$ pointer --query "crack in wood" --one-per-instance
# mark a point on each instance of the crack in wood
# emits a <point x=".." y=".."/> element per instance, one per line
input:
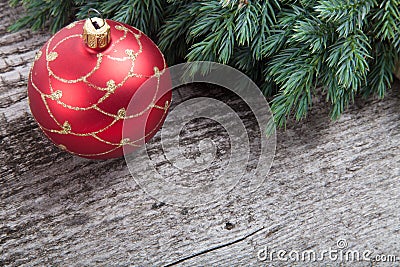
<point x="272" y="231"/>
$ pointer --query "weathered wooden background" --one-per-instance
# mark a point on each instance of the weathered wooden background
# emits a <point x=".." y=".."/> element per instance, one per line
<point x="329" y="181"/>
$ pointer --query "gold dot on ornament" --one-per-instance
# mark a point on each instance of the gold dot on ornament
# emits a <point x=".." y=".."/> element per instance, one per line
<point x="130" y="53"/>
<point x="111" y="86"/>
<point x="52" y="56"/>
<point x="125" y="141"/>
<point x="38" y="55"/>
<point x="56" y="95"/>
<point x="121" y="113"/>
<point x="157" y="72"/>
<point x="120" y="28"/>
<point x="66" y="127"/>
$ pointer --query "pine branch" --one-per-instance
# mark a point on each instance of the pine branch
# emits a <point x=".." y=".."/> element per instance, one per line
<point x="287" y="47"/>
<point x="42" y="12"/>
<point x="348" y="57"/>
<point x="380" y="77"/>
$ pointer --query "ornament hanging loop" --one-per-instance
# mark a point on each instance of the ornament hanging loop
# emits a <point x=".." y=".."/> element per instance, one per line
<point x="94" y="23"/>
<point x="96" y="31"/>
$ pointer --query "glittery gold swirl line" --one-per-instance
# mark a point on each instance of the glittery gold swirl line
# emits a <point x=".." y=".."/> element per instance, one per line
<point x="159" y="107"/>
<point x="110" y="143"/>
<point x="66" y="38"/>
<point x="109" y="91"/>
<point x="63" y="147"/>
<point x="43" y="97"/>
<point x="118" y="145"/>
<point x="137" y="37"/>
<point x="104" y="97"/>
<point x="80" y="79"/>
<point x="96" y="154"/>
<point x="151" y="103"/>
<point x="99" y="58"/>
<point x="63" y="131"/>
<point x="37" y="56"/>
<point x="121" y="28"/>
<point x="167" y="105"/>
<point x="118" y="85"/>
<point x="131" y="56"/>
<point x="105" y="141"/>
<point x="116" y="117"/>
<point x="138" y="75"/>
<point x="162" y="55"/>
<point x="105" y="112"/>
<point x="99" y="55"/>
<point x="49" y="111"/>
<point x="99" y="101"/>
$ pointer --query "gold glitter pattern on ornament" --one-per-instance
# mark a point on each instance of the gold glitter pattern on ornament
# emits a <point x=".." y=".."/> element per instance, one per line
<point x="157" y="72"/>
<point x="66" y="127"/>
<point x="111" y="86"/>
<point x="164" y="107"/>
<point x="130" y="54"/>
<point x="125" y="141"/>
<point x="121" y="113"/>
<point x="52" y="56"/>
<point x="38" y="55"/>
<point x="121" y="28"/>
<point x="56" y="95"/>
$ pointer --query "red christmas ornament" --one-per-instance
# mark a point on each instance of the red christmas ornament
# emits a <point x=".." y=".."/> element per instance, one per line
<point x="80" y="86"/>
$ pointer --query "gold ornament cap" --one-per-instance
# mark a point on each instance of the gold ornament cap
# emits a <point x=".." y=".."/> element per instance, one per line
<point x="96" y="32"/>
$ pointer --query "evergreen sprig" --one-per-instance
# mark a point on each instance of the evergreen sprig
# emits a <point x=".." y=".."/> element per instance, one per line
<point x="41" y="13"/>
<point x="289" y="47"/>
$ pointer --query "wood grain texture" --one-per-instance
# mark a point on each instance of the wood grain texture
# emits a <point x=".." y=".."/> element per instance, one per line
<point x="329" y="181"/>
